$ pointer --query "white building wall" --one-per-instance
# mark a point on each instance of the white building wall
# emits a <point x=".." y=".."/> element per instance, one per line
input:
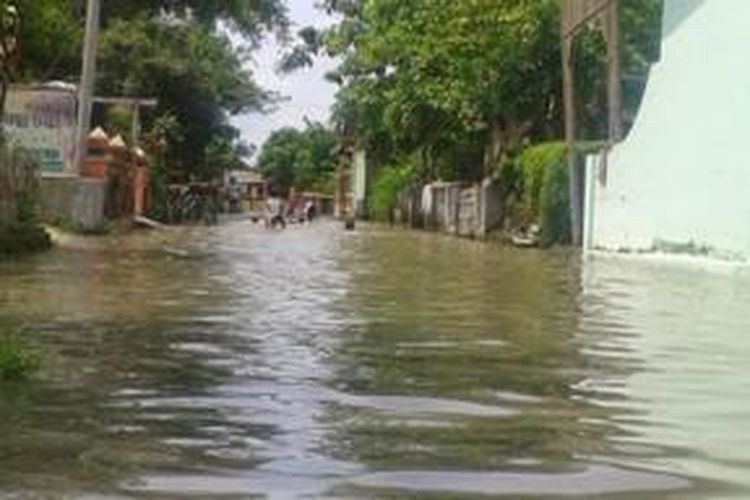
<point x="682" y="176"/>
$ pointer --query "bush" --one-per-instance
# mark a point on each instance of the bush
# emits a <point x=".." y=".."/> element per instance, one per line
<point x="389" y="181"/>
<point x="21" y="232"/>
<point x="541" y="189"/>
<point x="554" y="202"/>
<point x="532" y="165"/>
<point x="18" y="361"/>
<point x="23" y="237"/>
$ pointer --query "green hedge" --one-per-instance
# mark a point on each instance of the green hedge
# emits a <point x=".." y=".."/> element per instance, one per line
<point x="388" y="181"/>
<point x="542" y="185"/>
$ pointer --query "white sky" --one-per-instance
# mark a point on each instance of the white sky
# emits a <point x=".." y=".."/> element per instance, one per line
<point x="308" y="93"/>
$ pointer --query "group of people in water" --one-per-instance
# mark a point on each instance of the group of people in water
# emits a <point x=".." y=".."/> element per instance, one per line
<point x="278" y="212"/>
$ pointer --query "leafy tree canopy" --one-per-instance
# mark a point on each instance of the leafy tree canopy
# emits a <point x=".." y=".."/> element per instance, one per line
<point x="304" y="159"/>
<point x="50" y="36"/>
<point x="178" y="51"/>
<point x="463" y="80"/>
<point x="250" y="18"/>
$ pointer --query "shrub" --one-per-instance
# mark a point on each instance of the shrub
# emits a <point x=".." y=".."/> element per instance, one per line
<point x="541" y="190"/>
<point x="23" y="237"/>
<point x="21" y="232"/>
<point x="554" y="202"/>
<point x="18" y="360"/>
<point x="388" y="182"/>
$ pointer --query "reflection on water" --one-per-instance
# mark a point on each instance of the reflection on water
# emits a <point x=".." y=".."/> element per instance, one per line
<point x="235" y="362"/>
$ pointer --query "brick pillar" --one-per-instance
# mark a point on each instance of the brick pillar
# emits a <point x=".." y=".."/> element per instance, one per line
<point x="95" y="162"/>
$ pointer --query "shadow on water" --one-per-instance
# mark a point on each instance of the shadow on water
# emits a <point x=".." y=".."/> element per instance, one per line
<point x="234" y="362"/>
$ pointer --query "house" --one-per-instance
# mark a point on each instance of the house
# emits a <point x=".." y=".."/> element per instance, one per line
<point x="679" y="181"/>
<point x="253" y="187"/>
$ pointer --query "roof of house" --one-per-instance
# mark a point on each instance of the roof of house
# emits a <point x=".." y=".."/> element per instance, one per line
<point x="251" y="176"/>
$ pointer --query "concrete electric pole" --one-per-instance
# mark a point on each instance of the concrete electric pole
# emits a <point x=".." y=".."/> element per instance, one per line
<point x="88" y="79"/>
<point x="575" y="14"/>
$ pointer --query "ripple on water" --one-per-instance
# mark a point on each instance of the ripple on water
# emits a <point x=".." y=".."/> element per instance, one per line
<point x="588" y="480"/>
<point x="412" y="405"/>
<point x="593" y="479"/>
<point x="307" y="362"/>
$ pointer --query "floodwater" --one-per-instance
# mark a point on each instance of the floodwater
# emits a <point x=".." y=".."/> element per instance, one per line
<point x="232" y="362"/>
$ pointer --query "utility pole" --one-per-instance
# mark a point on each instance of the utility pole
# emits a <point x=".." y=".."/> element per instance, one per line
<point x="88" y="79"/>
<point x="575" y="182"/>
<point x="575" y="14"/>
<point x="614" y="84"/>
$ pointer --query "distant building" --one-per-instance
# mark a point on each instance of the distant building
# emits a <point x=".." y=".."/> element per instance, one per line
<point x="253" y="186"/>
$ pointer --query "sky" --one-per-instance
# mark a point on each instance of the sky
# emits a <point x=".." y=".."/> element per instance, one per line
<point x="308" y="94"/>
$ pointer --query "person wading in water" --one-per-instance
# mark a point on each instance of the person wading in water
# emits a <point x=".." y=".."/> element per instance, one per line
<point x="275" y="212"/>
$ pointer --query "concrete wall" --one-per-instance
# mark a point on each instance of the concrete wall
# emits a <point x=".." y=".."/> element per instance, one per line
<point x="464" y="210"/>
<point x="492" y="206"/>
<point x="680" y="180"/>
<point x="468" y="212"/>
<point x="80" y="200"/>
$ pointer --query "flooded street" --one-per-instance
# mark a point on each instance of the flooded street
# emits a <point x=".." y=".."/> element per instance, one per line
<point x="232" y="362"/>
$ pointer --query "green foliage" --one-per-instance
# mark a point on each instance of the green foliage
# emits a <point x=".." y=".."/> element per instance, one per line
<point x="119" y="120"/>
<point x="18" y="360"/>
<point x="23" y="237"/>
<point x="554" y="202"/>
<point x="197" y="76"/>
<point x="21" y="234"/>
<point x="534" y="164"/>
<point x="465" y="83"/>
<point x="50" y="39"/>
<point x="388" y="182"/>
<point x="163" y="136"/>
<point x="176" y="50"/>
<point x="435" y="76"/>
<point x="248" y="18"/>
<point x="303" y="159"/>
<point x="220" y="156"/>
<point x="541" y="190"/>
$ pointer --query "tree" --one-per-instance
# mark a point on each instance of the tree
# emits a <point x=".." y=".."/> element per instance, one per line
<point x="303" y="159"/>
<point x="461" y="82"/>
<point x="249" y="18"/>
<point x="176" y="50"/>
<point x="50" y="40"/>
<point x="195" y="74"/>
<point x="444" y="72"/>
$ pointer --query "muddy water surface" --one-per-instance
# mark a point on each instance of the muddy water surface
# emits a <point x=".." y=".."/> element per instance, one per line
<point x="232" y="362"/>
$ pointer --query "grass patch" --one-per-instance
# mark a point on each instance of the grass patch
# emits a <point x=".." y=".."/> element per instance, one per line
<point x="18" y="360"/>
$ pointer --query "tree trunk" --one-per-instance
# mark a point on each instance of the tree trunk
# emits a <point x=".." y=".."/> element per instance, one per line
<point x="494" y="147"/>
